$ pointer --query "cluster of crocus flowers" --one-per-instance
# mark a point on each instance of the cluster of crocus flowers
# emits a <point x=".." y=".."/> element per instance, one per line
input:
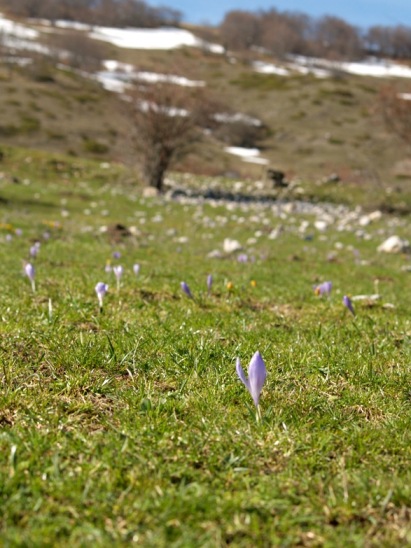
<point x="101" y="289"/>
<point x="257" y="374"/>
<point x="30" y="273"/>
<point x="186" y="289"/>
<point x="323" y="289"/>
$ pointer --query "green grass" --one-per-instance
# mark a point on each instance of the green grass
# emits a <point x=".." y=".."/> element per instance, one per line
<point x="131" y="426"/>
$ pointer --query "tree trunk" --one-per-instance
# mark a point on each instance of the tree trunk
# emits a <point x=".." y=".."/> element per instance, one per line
<point x="156" y="168"/>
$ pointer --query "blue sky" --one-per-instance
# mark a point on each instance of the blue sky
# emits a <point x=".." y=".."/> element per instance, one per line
<point x="362" y="13"/>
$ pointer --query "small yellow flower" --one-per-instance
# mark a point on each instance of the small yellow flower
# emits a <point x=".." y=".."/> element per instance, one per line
<point x="230" y="286"/>
<point x="253" y="283"/>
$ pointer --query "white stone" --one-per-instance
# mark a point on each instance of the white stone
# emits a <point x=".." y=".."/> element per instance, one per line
<point x="231" y="246"/>
<point x="320" y="225"/>
<point x="394" y="244"/>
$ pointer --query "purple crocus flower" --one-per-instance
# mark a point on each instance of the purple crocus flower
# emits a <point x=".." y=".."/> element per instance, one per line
<point x="34" y="249"/>
<point x="116" y="254"/>
<point x="242" y="258"/>
<point x="118" y="272"/>
<point x="30" y="273"/>
<point x="323" y="289"/>
<point x="136" y="269"/>
<point x="209" y="282"/>
<point x="186" y="290"/>
<point x="101" y="290"/>
<point x="347" y="303"/>
<point x="256" y="376"/>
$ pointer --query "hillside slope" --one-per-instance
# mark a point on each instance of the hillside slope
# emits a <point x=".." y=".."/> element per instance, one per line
<point x="317" y="127"/>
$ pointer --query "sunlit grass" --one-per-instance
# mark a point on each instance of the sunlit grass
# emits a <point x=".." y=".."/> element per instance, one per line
<point x="131" y="426"/>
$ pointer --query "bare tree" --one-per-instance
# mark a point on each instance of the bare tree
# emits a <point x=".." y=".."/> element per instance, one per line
<point x="99" y="12"/>
<point x="378" y="41"/>
<point x="401" y="37"/>
<point x="240" y="30"/>
<point x="164" y="118"/>
<point x="337" y="39"/>
<point x="283" y="33"/>
<point x="389" y="41"/>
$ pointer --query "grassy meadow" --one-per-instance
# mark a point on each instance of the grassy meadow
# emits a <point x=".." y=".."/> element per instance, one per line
<point x="130" y="426"/>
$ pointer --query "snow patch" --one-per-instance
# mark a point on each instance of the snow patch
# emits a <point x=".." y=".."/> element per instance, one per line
<point x="16" y="29"/>
<point x="247" y="154"/>
<point x="269" y="68"/>
<point x="160" y="38"/>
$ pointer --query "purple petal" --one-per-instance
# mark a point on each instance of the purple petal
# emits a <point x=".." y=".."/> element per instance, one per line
<point x="257" y="374"/>
<point x="241" y="374"/>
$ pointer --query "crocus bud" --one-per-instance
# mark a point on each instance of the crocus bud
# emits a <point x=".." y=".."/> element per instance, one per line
<point x="186" y="289"/>
<point x="30" y="273"/>
<point x="347" y="303"/>
<point x="101" y="289"/>
<point x="257" y="374"/>
<point x="209" y="282"/>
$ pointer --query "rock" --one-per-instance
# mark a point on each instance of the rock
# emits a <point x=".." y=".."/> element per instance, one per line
<point x="365" y="220"/>
<point x="215" y="254"/>
<point x="321" y="225"/>
<point x="230" y="246"/>
<point x="276" y="232"/>
<point x="277" y="178"/>
<point x="332" y="178"/>
<point x="373" y="297"/>
<point x="134" y="231"/>
<point x="403" y="168"/>
<point x="394" y="244"/>
<point x="117" y="232"/>
<point x="150" y="192"/>
<point x="375" y="215"/>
